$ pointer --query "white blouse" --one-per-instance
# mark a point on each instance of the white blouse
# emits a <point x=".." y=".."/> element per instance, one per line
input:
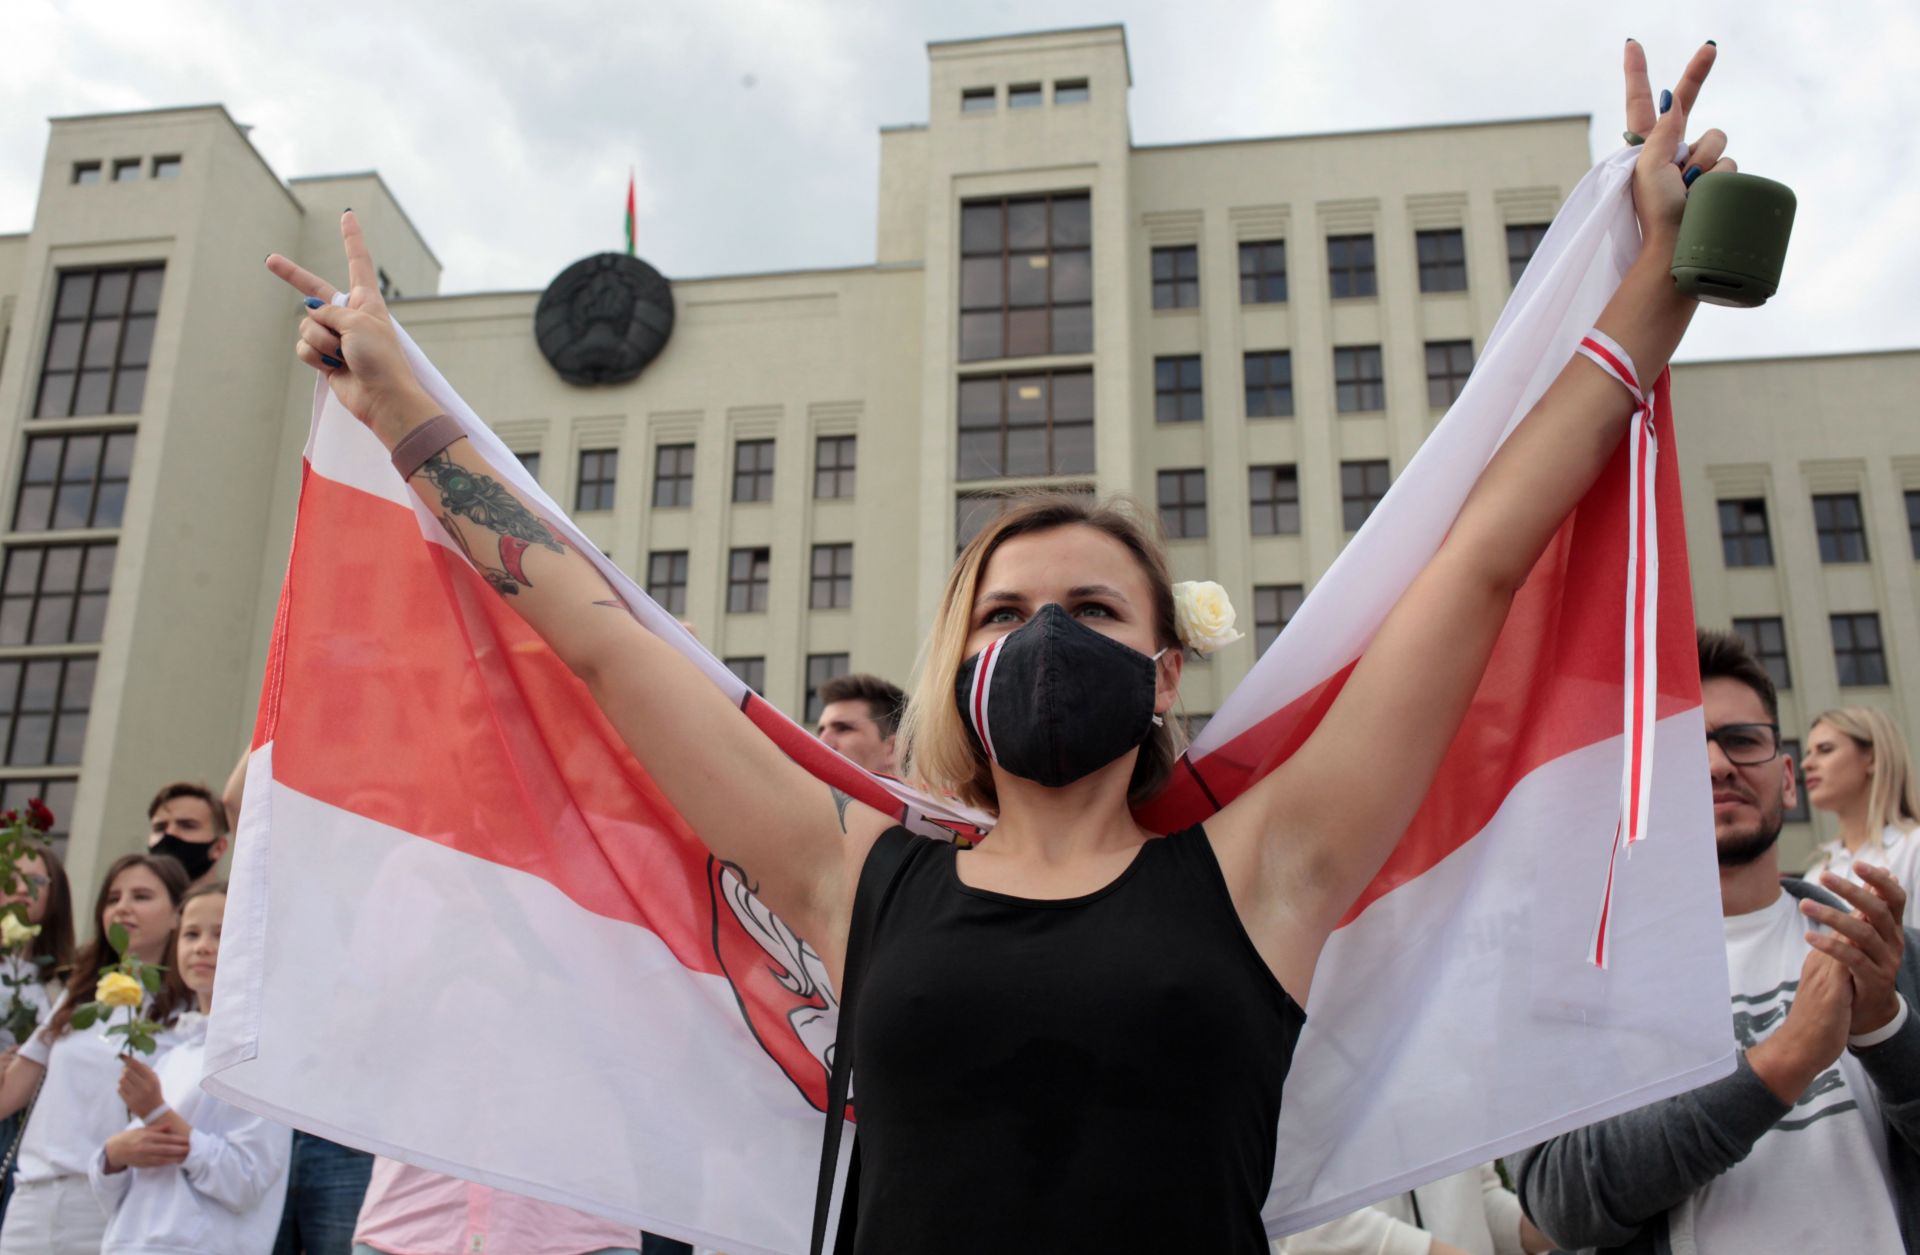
<point x="1897" y="850"/>
<point x="79" y="1106"/>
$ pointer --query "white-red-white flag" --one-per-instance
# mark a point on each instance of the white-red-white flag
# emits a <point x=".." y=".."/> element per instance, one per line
<point x="467" y="931"/>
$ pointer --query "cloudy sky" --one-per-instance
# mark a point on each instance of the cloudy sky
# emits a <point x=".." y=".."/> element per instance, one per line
<point x="507" y="129"/>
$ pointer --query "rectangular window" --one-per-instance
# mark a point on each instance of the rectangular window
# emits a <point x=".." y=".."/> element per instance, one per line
<point x="1019" y="425"/>
<point x="1443" y="260"/>
<point x="667" y="579"/>
<point x="1767" y="638"/>
<point x="1449" y="362"/>
<point x="1913" y="522"/>
<point x="1798" y="813"/>
<point x="833" y="466"/>
<point x="1176" y="277"/>
<point x="1842" y="531"/>
<point x="126" y="169"/>
<point x="1025" y="96"/>
<point x="820" y="669"/>
<point x="673" y="476"/>
<point x="86" y="173"/>
<point x="1359" y="380"/>
<point x="974" y="510"/>
<point x="1275" y="494"/>
<point x="56" y="793"/>
<point x="101" y="338"/>
<point x="1522" y="239"/>
<point x="1026" y="276"/>
<point x="1183" y="503"/>
<point x="167" y="167"/>
<point x="747" y="572"/>
<point x="1857" y="654"/>
<point x="1744" y="540"/>
<point x="74" y="481"/>
<point x="598" y="470"/>
<point x="1263" y="272"/>
<point x="55" y="594"/>
<point x="753" y="470"/>
<point x="531" y="463"/>
<point x="1362" y="484"/>
<point x="751" y="672"/>
<point x="979" y="99"/>
<point x="1269" y="377"/>
<point x="1071" y="91"/>
<point x="1177" y="390"/>
<point x="832" y="587"/>
<point x="1274" y="606"/>
<point x="43" y="709"/>
<point x="1350" y="265"/>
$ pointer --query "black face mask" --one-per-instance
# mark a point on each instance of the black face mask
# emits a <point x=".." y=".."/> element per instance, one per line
<point x="1055" y="700"/>
<point x="196" y="856"/>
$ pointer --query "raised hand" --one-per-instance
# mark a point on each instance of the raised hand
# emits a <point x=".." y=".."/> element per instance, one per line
<point x="1659" y="181"/>
<point x="355" y="345"/>
<point x="139" y="1087"/>
<point x="1814" y="1032"/>
<point x="1868" y="941"/>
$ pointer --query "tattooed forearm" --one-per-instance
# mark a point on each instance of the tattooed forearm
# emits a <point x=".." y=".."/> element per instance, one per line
<point x="840" y="801"/>
<point x="485" y="501"/>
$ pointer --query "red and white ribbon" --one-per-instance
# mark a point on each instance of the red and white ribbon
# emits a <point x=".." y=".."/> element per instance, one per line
<point x="1641" y="680"/>
<point x="977" y="696"/>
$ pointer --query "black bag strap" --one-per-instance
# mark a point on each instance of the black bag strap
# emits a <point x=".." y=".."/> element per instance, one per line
<point x="878" y="875"/>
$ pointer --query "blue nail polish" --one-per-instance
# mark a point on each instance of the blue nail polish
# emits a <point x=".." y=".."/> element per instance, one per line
<point x="314" y="302"/>
<point x="1693" y="172"/>
<point x="1666" y="100"/>
<point x="332" y="361"/>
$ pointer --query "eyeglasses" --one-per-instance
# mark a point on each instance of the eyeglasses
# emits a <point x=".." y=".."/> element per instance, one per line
<point x="1747" y="744"/>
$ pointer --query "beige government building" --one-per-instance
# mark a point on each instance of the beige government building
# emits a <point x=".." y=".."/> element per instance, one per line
<point x="1253" y="334"/>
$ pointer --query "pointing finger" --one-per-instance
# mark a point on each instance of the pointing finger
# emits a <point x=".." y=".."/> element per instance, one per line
<point x="300" y="278"/>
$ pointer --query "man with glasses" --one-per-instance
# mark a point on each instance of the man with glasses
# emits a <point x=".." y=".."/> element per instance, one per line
<point x="1813" y="1144"/>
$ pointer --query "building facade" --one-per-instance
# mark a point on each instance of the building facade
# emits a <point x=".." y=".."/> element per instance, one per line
<point x="1252" y="336"/>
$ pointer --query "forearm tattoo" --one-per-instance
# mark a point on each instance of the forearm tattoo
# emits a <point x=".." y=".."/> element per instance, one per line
<point x="840" y="801"/>
<point x="486" y="502"/>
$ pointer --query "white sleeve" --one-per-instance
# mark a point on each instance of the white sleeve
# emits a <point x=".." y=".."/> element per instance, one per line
<point x="1368" y="1231"/>
<point x="109" y="1188"/>
<point x="1503" y="1213"/>
<point x="238" y="1165"/>
<point x="37" y="1048"/>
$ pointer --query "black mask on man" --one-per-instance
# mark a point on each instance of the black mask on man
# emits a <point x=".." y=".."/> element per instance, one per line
<point x="196" y="856"/>
<point x="1054" y="700"/>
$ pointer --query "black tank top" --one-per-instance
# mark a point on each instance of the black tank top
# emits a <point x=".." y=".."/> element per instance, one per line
<point x="1097" y="1074"/>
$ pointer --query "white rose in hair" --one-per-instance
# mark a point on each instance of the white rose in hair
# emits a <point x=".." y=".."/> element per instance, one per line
<point x="1203" y="616"/>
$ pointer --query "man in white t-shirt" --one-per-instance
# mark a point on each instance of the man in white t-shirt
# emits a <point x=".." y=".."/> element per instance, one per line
<point x="1813" y="1144"/>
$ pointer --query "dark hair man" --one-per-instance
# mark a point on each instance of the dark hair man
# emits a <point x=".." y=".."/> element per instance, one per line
<point x="187" y="822"/>
<point x="1813" y="1144"/>
<point x="860" y="717"/>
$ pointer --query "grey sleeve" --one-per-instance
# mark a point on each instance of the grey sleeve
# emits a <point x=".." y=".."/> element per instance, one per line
<point x="1598" y="1185"/>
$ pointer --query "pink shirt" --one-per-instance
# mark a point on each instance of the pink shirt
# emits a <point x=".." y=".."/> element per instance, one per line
<point x="411" y="1211"/>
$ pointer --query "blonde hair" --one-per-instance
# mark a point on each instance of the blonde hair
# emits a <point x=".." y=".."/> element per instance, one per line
<point x="939" y="749"/>
<point x="1892" y="798"/>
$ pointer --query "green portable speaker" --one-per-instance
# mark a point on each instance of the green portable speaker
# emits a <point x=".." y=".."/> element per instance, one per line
<point x="1733" y="239"/>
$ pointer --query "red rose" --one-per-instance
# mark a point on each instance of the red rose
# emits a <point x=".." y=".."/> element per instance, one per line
<point x="38" y="816"/>
<point x="9" y="819"/>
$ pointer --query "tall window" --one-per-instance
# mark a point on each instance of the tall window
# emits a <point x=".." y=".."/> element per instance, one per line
<point x="1744" y="540"/>
<point x="1522" y="239"/>
<point x="43" y="709"/>
<point x="1767" y="638"/>
<point x="74" y="481"/>
<point x="1275" y="494"/>
<point x="667" y="579"/>
<point x="1443" y="260"/>
<point x="1183" y="503"/>
<point x="1350" y="265"/>
<point x="1274" y="606"/>
<point x="1362" y="484"/>
<point x="1176" y="277"/>
<point x="55" y="594"/>
<point x="833" y="458"/>
<point x="673" y="475"/>
<point x="1857" y="652"/>
<point x="599" y="468"/>
<point x="747" y="573"/>
<point x="1449" y="362"/>
<point x="1177" y="390"/>
<point x="753" y="470"/>
<point x="531" y="463"/>
<point x="1040" y="424"/>
<point x="751" y="672"/>
<point x="101" y="338"/>
<point x="1026" y="277"/>
<point x="1359" y="380"/>
<point x="820" y="669"/>
<point x="1842" y="531"/>
<point x="1263" y="272"/>
<point x="832" y="578"/>
<point x="1913" y="522"/>
<point x="1269" y="377"/>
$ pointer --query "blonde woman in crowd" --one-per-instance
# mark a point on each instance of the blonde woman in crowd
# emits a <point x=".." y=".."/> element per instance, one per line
<point x="1857" y="766"/>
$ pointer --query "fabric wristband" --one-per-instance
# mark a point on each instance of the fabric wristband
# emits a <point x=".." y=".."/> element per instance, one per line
<point x="158" y="1112"/>
<point x="1885" y="1031"/>
<point x="423" y="442"/>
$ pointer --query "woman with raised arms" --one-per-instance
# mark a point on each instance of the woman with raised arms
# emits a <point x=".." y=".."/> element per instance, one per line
<point x="1073" y="1037"/>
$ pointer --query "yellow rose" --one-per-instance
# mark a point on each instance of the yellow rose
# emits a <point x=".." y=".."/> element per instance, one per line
<point x="15" y="933"/>
<point x="117" y="989"/>
<point x="1203" y="616"/>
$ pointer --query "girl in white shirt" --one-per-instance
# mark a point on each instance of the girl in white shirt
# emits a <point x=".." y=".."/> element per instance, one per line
<point x="76" y="1071"/>
<point x="192" y="1174"/>
<point x="37" y="975"/>
<point x="1856" y="766"/>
